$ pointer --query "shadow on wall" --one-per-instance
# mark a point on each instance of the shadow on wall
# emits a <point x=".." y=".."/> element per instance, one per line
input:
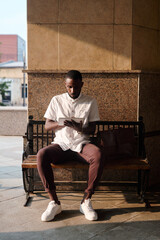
<point x="112" y="34"/>
<point x="80" y="46"/>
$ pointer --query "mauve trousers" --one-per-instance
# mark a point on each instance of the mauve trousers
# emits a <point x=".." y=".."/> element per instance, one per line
<point x="54" y="154"/>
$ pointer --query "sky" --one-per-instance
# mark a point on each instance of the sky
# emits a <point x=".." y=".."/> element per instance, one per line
<point x="13" y="17"/>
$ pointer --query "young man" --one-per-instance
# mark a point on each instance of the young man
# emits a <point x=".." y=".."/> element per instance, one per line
<point x="71" y="142"/>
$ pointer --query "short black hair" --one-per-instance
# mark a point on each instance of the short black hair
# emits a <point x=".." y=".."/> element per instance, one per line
<point x="74" y="74"/>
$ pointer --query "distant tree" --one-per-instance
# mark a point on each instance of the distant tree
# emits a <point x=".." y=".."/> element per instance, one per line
<point x="0" y="52"/>
<point x="3" y="87"/>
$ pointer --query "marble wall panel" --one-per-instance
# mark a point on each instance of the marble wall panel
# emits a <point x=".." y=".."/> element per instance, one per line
<point x="82" y="11"/>
<point x="122" y="47"/>
<point x="93" y="35"/>
<point x="149" y="102"/>
<point x="149" y="106"/>
<point x="41" y="88"/>
<point x="116" y="94"/>
<point x="159" y="16"/>
<point x="158" y="49"/>
<point x="146" y="13"/>
<point x="153" y="155"/>
<point x="85" y="47"/>
<point x="42" y="46"/>
<point x="145" y="49"/>
<point x="123" y="12"/>
<point x="40" y="11"/>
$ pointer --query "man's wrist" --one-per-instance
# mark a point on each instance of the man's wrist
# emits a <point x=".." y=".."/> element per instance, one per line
<point x="80" y="131"/>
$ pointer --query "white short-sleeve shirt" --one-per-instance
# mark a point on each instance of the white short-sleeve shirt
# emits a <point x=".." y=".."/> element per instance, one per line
<point x="63" y="106"/>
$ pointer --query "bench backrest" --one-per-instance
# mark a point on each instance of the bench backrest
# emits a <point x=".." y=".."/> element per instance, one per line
<point x="38" y="137"/>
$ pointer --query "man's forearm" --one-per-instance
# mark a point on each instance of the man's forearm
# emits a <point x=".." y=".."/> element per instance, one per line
<point x="52" y="125"/>
<point x="90" y="129"/>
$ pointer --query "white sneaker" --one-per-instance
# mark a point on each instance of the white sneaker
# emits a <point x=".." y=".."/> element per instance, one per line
<point x="52" y="210"/>
<point x="88" y="211"/>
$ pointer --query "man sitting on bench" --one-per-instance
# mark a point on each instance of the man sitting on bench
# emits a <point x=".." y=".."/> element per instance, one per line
<point x="72" y="116"/>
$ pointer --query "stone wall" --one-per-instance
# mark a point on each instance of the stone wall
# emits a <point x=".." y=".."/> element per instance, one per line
<point x="149" y="100"/>
<point x="116" y="93"/>
<point x="120" y="96"/>
<point x="93" y="35"/>
<point x="149" y="108"/>
<point x="13" y="121"/>
<point x="112" y="43"/>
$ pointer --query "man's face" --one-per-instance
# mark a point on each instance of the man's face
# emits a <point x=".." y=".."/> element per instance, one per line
<point x="73" y="87"/>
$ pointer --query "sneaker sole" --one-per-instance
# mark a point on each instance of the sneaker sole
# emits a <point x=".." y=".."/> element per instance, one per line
<point x="81" y="210"/>
<point x="58" y="212"/>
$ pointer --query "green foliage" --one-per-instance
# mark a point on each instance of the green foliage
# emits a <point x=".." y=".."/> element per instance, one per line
<point x="0" y="52"/>
<point x="3" y="87"/>
<point x="2" y="104"/>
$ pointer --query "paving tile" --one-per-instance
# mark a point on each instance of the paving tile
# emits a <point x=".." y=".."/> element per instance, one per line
<point x="149" y="222"/>
<point x="16" y="174"/>
<point x="69" y="233"/>
<point x="121" y="215"/>
<point x="14" y="214"/>
<point x="11" y="193"/>
<point x="124" y="231"/>
<point x="11" y="174"/>
<point x="10" y="183"/>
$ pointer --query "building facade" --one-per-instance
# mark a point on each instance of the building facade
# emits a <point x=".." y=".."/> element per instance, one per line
<point x="12" y="48"/>
<point x="16" y="94"/>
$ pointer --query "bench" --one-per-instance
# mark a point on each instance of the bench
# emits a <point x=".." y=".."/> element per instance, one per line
<point x="37" y="137"/>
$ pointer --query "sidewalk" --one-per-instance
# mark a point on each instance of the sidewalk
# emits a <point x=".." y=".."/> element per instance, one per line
<point x="121" y="216"/>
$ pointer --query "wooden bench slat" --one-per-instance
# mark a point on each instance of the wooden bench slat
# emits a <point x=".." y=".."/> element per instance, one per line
<point x="132" y="163"/>
<point x="33" y="164"/>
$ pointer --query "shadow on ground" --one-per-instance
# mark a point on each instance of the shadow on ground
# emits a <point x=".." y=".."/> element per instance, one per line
<point x="149" y="230"/>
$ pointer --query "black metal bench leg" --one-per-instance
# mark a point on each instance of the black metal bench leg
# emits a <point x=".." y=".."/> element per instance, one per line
<point x="28" y="198"/>
<point x="29" y="178"/>
<point x="144" y="188"/>
<point x="139" y="188"/>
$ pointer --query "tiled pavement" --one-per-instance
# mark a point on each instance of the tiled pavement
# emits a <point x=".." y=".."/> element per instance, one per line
<point x="121" y="215"/>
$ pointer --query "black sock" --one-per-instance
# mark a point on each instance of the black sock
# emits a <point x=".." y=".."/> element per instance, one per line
<point x="86" y="196"/>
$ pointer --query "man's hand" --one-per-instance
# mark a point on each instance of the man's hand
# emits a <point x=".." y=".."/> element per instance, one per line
<point x="75" y="125"/>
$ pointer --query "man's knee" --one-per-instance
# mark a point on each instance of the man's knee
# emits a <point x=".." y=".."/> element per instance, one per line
<point x="41" y="156"/>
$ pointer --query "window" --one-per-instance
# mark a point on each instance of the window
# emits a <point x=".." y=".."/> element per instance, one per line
<point x="23" y="90"/>
<point x="7" y="96"/>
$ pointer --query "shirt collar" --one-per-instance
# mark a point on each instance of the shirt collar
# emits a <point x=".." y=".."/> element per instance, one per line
<point x="73" y="100"/>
